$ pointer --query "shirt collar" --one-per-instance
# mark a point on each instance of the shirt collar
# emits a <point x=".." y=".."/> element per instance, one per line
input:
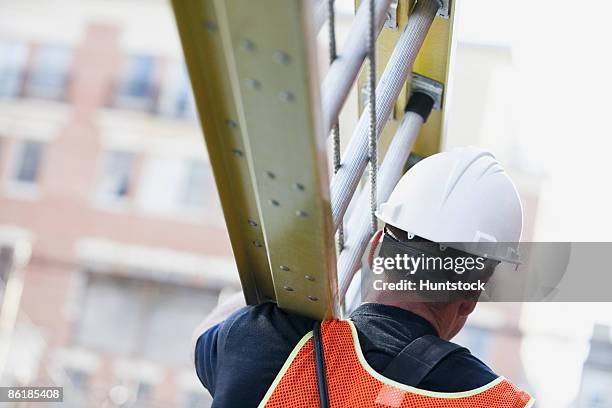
<point x="399" y="315"/>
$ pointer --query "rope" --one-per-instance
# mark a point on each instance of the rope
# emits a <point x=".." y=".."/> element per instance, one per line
<point x="372" y="139"/>
<point x="333" y="55"/>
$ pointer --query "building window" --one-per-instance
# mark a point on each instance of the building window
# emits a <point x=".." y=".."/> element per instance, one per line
<point x="150" y="317"/>
<point x="27" y="162"/>
<point x="176" y="99"/>
<point x="137" y="86"/>
<point x="114" y="185"/>
<point x="160" y="182"/>
<point x="49" y="75"/>
<point x="170" y="186"/>
<point x="197" y="184"/>
<point x="13" y="57"/>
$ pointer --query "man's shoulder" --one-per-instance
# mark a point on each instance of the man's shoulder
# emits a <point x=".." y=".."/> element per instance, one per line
<point x="265" y="319"/>
<point x="385" y="330"/>
<point x="257" y="332"/>
<point x="459" y="371"/>
<point x="250" y="347"/>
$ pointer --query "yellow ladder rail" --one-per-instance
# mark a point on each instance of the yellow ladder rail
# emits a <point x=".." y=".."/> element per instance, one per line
<point x="253" y="70"/>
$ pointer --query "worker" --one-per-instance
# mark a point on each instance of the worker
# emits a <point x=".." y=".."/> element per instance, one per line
<point x="392" y="352"/>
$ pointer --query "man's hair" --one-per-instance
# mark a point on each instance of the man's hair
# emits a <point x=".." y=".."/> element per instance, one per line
<point x="398" y="242"/>
<point x="402" y="237"/>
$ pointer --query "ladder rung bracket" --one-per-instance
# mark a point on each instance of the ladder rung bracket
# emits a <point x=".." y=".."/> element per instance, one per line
<point x="271" y="54"/>
<point x="199" y="29"/>
<point x="433" y="62"/>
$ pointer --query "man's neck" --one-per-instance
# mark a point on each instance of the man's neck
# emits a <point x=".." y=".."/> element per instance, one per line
<point x="422" y="310"/>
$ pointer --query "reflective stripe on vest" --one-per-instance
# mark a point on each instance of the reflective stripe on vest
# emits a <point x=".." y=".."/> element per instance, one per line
<point x="352" y="383"/>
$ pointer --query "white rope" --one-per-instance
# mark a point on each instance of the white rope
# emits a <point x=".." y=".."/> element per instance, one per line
<point x="372" y="139"/>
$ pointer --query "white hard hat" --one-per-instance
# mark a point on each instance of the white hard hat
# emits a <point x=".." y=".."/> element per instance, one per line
<point x="463" y="198"/>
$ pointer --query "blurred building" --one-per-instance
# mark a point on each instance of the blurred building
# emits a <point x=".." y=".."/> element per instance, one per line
<point x="595" y="390"/>
<point x="104" y="173"/>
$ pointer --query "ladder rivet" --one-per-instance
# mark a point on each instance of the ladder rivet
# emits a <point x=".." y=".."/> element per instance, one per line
<point x="252" y="223"/>
<point x="301" y="213"/>
<point x="270" y="174"/>
<point x="281" y="57"/>
<point x="230" y="123"/>
<point x="211" y="26"/>
<point x="313" y="298"/>
<point x="309" y="278"/>
<point x="288" y="288"/>
<point x="285" y="268"/>
<point x="237" y="152"/>
<point x="257" y="243"/>
<point x="253" y="83"/>
<point x="300" y="186"/>
<point x="247" y="45"/>
<point x="286" y="96"/>
<point x="274" y="202"/>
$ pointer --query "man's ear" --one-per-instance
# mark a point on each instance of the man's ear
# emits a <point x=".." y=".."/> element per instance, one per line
<point x="466" y="307"/>
<point x="375" y="241"/>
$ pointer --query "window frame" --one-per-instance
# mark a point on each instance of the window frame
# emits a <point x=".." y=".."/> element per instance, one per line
<point x="176" y="85"/>
<point x="146" y="292"/>
<point x="49" y="74"/>
<point x="17" y="68"/>
<point x="102" y="197"/>
<point x="17" y="187"/>
<point x="130" y="76"/>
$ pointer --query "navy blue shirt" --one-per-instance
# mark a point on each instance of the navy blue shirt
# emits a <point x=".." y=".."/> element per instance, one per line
<point x="238" y="359"/>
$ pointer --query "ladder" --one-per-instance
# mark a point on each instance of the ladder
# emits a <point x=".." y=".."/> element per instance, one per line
<point x="266" y="117"/>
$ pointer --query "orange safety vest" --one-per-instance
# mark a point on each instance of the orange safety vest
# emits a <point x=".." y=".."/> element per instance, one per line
<point x="352" y="383"/>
